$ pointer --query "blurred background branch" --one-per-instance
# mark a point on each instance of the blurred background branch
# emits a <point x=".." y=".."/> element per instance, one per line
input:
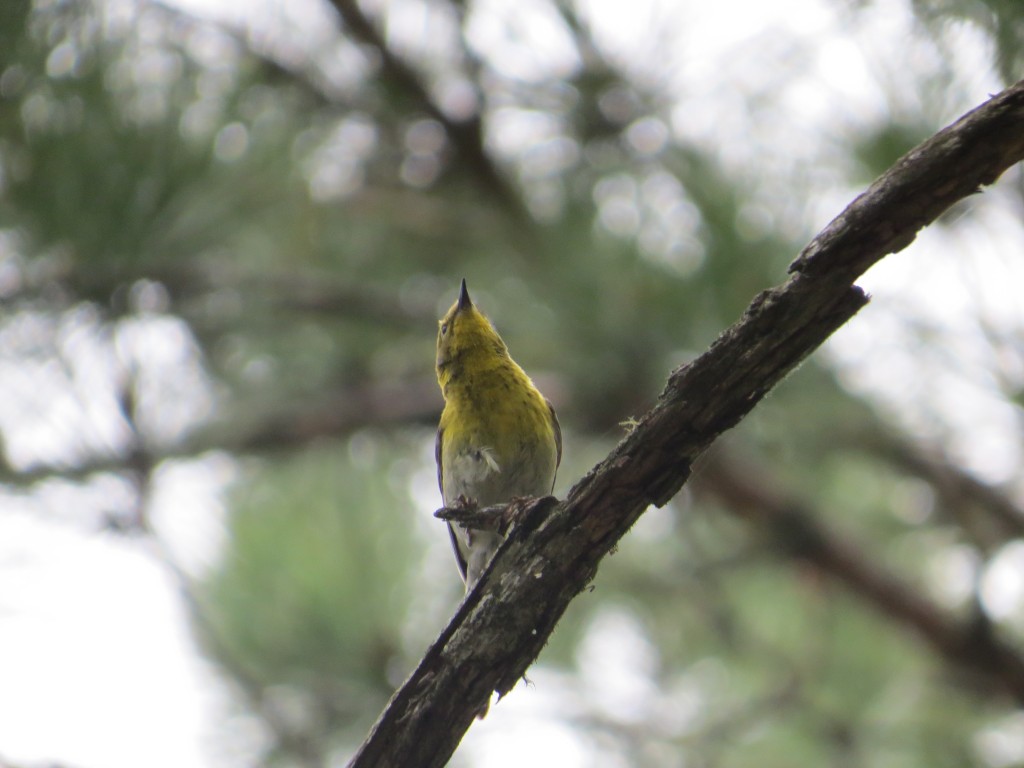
<point x="968" y="644"/>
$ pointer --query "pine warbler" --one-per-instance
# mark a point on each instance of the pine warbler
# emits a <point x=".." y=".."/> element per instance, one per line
<point x="498" y="437"/>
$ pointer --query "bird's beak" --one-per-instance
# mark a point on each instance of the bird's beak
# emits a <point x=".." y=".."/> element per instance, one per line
<point x="464" y="301"/>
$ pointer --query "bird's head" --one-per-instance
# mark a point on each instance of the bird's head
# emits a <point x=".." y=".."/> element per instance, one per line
<point x="463" y="335"/>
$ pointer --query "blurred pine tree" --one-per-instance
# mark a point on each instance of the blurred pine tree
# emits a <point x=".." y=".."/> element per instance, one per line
<point x="301" y="204"/>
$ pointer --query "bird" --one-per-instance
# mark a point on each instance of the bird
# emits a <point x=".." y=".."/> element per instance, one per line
<point x="498" y="438"/>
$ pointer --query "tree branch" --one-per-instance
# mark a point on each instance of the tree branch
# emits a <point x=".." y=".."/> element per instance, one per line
<point x="963" y="494"/>
<point x="548" y="558"/>
<point x="377" y="403"/>
<point x="966" y="644"/>
<point x="467" y="136"/>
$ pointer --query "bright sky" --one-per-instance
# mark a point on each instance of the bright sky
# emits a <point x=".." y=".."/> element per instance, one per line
<point x="97" y="663"/>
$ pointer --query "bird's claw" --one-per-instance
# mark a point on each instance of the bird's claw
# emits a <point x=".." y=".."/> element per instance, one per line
<point x="498" y="517"/>
<point x="467" y="513"/>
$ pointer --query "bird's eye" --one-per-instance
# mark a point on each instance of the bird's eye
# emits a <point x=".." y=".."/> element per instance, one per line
<point x="444" y="328"/>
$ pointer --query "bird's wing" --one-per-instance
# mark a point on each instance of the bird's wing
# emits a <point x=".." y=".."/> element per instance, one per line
<point x="558" y="433"/>
<point x="460" y="559"/>
<point x="437" y="457"/>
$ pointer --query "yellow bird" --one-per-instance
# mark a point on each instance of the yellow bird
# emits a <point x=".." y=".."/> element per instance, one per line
<point x="498" y="438"/>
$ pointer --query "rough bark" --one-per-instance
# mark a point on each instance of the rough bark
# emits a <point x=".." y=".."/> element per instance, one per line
<point x="551" y="554"/>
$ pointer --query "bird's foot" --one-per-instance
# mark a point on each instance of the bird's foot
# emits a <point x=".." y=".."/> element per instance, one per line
<point x="467" y="513"/>
<point x="498" y="517"/>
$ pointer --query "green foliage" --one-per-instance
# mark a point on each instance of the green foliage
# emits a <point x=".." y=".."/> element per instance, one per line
<point x="999" y="21"/>
<point x="309" y="230"/>
<point x="314" y="590"/>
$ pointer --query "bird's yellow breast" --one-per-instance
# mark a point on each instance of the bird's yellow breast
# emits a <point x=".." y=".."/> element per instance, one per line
<point x="498" y="438"/>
